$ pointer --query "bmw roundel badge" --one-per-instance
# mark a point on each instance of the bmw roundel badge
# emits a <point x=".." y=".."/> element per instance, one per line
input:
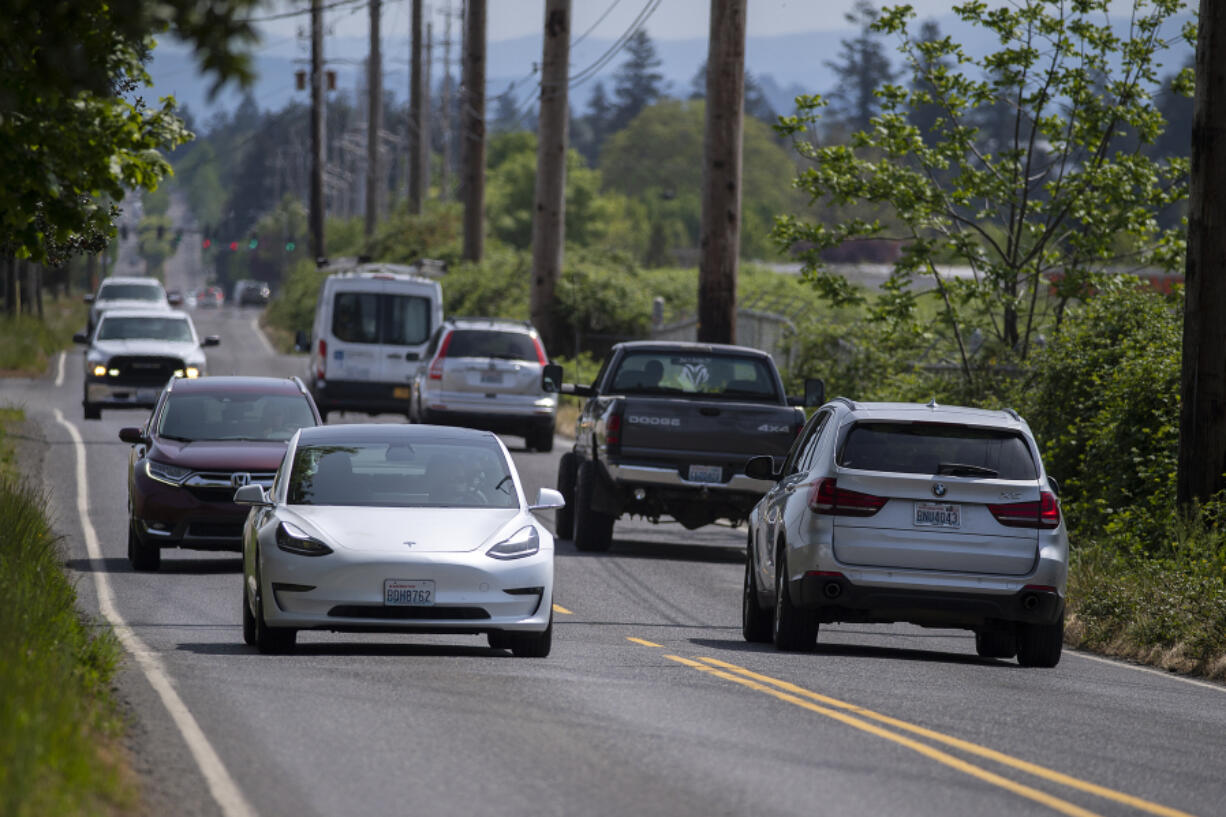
<point x="938" y="489"/>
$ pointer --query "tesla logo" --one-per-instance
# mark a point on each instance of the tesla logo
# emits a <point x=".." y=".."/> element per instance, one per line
<point x="938" y="489"/>
<point x="240" y="479"/>
<point x="409" y="543"/>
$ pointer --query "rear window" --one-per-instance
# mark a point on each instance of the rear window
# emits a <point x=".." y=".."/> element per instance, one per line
<point x="938" y="449"/>
<point x="696" y="373"/>
<point x="130" y="292"/>
<point x="491" y="343"/>
<point x="372" y="317"/>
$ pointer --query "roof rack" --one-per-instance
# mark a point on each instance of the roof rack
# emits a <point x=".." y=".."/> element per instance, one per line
<point x="1013" y="414"/>
<point x="847" y="401"/>
<point x="298" y="382"/>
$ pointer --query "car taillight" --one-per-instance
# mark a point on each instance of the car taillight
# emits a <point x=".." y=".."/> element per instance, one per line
<point x="828" y="498"/>
<point x="323" y="359"/>
<point x="1043" y="514"/>
<point x="436" y="365"/>
<point x="613" y="430"/>
<point x="540" y="351"/>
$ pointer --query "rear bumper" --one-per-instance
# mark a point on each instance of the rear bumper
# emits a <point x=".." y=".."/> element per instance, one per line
<point x="671" y="477"/>
<point x="836" y="598"/>
<point x="368" y="397"/>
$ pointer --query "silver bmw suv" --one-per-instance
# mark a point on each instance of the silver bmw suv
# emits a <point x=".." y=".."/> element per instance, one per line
<point x="940" y="516"/>
<point x="486" y="373"/>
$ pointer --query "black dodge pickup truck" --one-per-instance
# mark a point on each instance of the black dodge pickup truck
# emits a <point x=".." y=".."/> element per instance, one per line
<point x="666" y="431"/>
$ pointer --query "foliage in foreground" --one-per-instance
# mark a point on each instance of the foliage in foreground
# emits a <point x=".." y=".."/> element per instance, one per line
<point x="27" y="343"/>
<point x="58" y="727"/>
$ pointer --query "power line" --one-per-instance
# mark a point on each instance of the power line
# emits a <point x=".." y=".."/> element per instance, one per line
<point x="301" y="12"/>
<point x="592" y="27"/>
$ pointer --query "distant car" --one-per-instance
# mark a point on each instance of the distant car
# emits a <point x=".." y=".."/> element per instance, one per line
<point x="397" y="528"/>
<point x="183" y="464"/>
<point x="133" y="352"/>
<point x="126" y="292"/>
<point x="486" y="373"/>
<point x="940" y="516"/>
<point x="251" y="293"/>
<point x="210" y="298"/>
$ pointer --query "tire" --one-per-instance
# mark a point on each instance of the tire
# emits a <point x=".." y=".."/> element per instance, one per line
<point x="142" y="556"/>
<point x="755" y="622"/>
<point x="564" y="517"/>
<point x="499" y="640"/>
<point x="270" y="640"/>
<point x="593" y="529"/>
<point x="794" y="629"/>
<point x="532" y="645"/>
<point x="248" y="619"/>
<point x="540" y="439"/>
<point x="92" y="412"/>
<point x="996" y="644"/>
<point x="1039" y="645"/>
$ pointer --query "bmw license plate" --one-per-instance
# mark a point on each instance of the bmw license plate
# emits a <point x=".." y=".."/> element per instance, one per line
<point x="706" y="473"/>
<point x="491" y="377"/>
<point x="408" y="593"/>
<point x="937" y="515"/>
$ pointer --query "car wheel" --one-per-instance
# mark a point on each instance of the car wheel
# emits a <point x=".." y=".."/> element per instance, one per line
<point x="795" y="629"/>
<point x="141" y="555"/>
<point x="270" y="640"/>
<point x="499" y="640"/>
<point x="593" y="529"/>
<point x="93" y="412"/>
<point x="755" y="622"/>
<point x="248" y="619"/>
<point x="564" y="517"/>
<point x="532" y="645"/>
<point x="1039" y="645"/>
<point x="996" y="644"/>
<point x="540" y="438"/>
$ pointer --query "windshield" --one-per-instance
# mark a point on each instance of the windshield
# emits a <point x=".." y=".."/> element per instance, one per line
<point x="451" y="474"/>
<point x="229" y="416"/>
<point x="130" y="292"/>
<point x="699" y="373"/>
<point x="142" y="327"/>
<point x="939" y="449"/>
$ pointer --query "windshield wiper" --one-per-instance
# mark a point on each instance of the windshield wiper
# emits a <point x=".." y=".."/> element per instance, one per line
<point x="502" y="482"/>
<point x="958" y="469"/>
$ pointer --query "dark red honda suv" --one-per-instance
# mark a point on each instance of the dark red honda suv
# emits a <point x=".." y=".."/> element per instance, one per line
<point x="204" y="439"/>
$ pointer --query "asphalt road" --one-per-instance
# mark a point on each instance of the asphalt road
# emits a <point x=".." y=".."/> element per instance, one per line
<point x="651" y="703"/>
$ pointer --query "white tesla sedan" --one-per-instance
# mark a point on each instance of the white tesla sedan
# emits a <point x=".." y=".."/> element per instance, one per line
<point x="397" y="528"/>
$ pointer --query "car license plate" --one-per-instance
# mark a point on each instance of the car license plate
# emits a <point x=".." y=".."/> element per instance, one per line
<point x="491" y="377"/>
<point x="400" y="392"/>
<point x="408" y="593"/>
<point x="937" y="515"/>
<point x="706" y="473"/>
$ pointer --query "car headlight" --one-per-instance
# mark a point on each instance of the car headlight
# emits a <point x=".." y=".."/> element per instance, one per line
<point x="99" y="371"/>
<point x="165" y="472"/>
<point x="293" y="539"/>
<point x="524" y="542"/>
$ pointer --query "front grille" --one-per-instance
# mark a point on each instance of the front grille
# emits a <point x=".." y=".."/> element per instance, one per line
<point x="437" y="613"/>
<point x="215" y="486"/>
<point x="216" y="530"/>
<point x="145" y="369"/>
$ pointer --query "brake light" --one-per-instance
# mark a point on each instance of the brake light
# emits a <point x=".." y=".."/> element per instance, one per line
<point x="1043" y="514"/>
<point x="540" y="351"/>
<point x="323" y="359"/>
<point x="613" y="429"/>
<point x="436" y="365"/>
<point x="829" y="499"/>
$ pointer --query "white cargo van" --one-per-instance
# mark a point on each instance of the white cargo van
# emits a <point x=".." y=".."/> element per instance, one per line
<point x="371" y="326"/>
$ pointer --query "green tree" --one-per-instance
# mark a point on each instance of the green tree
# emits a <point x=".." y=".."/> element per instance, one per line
<point x="1055" y="206"/>
<point x="638" y="82"/>
<point x="863" y="67"/>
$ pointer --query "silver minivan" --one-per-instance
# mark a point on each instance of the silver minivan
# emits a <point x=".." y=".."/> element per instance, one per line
<point x="372" y="325"/>
<point x="486" y="373"/>
<point x="940" y="516"/>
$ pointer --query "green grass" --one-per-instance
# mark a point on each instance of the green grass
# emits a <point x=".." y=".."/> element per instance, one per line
<point x="28" y="343"/>
<point x="59" y="728"/>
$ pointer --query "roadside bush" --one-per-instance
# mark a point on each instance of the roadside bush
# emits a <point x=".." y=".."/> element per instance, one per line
<point x="27" y="343"/>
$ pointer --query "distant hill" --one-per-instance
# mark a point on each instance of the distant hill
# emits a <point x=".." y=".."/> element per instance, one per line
<point x="784" y="65"/>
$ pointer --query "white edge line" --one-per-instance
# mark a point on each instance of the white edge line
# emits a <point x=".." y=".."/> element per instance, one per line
<point x="223" y="788"/>
<point x="59" y="372"/>
<point x="255" y="325"/>
<point x="1116" y="662"/>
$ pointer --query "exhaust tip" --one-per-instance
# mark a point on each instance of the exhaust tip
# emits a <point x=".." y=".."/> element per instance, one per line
<point x="1030" y="601"/>
<point x="832" y="590"/>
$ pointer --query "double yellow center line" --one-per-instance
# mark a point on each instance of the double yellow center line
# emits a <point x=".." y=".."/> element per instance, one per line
<point x="874" y="723"/>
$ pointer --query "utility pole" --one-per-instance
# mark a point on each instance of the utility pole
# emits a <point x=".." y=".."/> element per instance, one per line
<point x="1202" y="422"/>
<point x="445" y="169"/>
<point x="317" y="131"/>
<point x="473" y="138"/>
<point x="374" y="123"/>
<point x="721" y="173"/>
<point x="417" y="118"/>
<point x="426" y="130"/>
<point x="549" y="215"/>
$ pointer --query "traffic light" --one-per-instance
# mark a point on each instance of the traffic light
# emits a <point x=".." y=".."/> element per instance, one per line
<point x="206" y="243"/>
<point x="290" y="245"/>
<point x="233" y="245"/>
<point x="253" y="243"/>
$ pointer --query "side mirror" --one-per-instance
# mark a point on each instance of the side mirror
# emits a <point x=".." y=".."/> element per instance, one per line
<point x="252" y="495"/>
<point x="762" y="467"/>
<point x="133" y="435"/>
<point x="211" y="340"/>
<point x="548" y="498"/>
<point x="1055" y="486"/>
<point x="815" y="392"/>
<point x="302" y="341"/>
<point x="88" y="298"/>
<point x="551" y="378"/>
<point x="80" y="337"/>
